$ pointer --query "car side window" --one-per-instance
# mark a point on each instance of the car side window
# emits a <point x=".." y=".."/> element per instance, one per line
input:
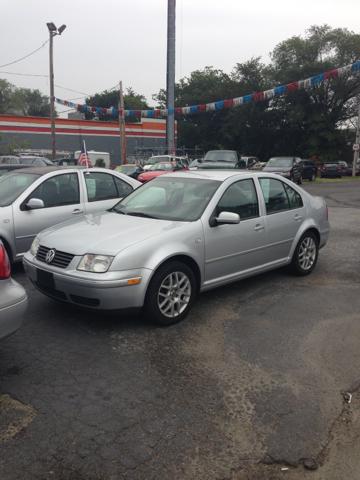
<point x="123" y="188"/>
<point x="240" y="198"/>
<point x="276" y="199"/>
<point x="294" y="197"/>
<point x="102" y="186"/>
<point x="58" y="191"/>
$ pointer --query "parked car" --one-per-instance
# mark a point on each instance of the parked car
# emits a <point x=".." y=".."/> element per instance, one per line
<point x="289" y="167"/>
<point x="221" y="159"/>
<point x="36" y="161"/>
<point x="13" y="298"/>
<point x="252" y="163"/>
<point x="347" y="171"/>
<point x="180" y="234"/>
<point x="331" y="169"/>
<point x="309" y="170"/>
<point x="164" y="158"/>
<point x="7" y="167"/>
<point x="133" y="170"/>
<point x="10" y="159"/>
<point x="35" y="198"/>
<point x="161" y="168"/>
<point x="65" y="161"/>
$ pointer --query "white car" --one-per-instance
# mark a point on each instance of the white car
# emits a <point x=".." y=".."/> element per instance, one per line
<point x="36" y="198"/>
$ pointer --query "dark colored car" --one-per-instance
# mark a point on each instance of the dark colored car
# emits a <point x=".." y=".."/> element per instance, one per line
<point x="309" y="170"/>
<point x="6" y="168"/>
<point x="36" y="161"/>
<point x="288" y="167"/>
<point x="349" y="170"/>
<point x="221" y="159"/>
<point x="66" y="161"/>
<point x="332" y="169"/>
<point x="132" y="170"/>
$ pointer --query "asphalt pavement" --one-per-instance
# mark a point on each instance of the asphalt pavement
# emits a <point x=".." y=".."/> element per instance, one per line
<point x="252" y="385"/>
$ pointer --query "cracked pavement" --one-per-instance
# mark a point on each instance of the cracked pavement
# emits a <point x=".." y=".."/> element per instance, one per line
<point x="251" y="380"/>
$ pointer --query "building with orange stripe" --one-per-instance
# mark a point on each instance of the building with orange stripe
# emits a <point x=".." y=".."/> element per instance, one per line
<point x="70" y="133"/>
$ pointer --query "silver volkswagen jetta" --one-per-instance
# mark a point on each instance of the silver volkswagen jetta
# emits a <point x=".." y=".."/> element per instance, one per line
<point x="178" y="235"/>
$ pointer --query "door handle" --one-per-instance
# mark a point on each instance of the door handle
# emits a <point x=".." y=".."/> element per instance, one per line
<point x="77" y="211"/>
<point x="297" y="217"/>
<point x="259" y="227"/>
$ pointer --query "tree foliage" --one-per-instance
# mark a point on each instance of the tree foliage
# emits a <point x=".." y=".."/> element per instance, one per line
<point x="23" y="101"/>
<point x="306" y="123"/>
<point x="111" y="99"/>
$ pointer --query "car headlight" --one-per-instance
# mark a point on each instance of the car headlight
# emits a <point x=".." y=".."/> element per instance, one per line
<point x="95" y="263"/>
<point x="34" y="246"/>
<point x="140" y="177"/>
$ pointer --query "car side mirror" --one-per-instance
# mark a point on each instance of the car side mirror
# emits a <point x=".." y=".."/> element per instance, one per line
<point x="228" y="217"/>
<point x="35" y="203"/>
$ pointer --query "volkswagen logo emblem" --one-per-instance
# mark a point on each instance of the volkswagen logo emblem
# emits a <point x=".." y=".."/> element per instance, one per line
<point x="50" y="255"/>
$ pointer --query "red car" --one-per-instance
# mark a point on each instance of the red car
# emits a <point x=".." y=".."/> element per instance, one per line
<point x="159" y="169"/>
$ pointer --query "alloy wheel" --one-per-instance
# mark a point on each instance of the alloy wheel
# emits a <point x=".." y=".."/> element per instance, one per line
<point x="174" y="294"/>
<point x="307" y="253"/>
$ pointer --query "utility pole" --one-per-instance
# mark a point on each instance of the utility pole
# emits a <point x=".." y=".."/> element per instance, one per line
<point x="122" y="128"/>
<point x="53" y="31"/>
<point x="357" y="140"/>
<point x="170" y="76"/>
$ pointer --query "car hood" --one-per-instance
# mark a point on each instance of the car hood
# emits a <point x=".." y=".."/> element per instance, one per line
<point x="148" y="175"/>
<point x="107" y="233"/>
<point x="216" y="165"/>
<point x="276" y="169"/>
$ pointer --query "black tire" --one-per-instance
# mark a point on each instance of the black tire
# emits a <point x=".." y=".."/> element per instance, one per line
<point x="305" y="255"/>
<point x="299" y="182"/>
<point x="178" y="299"/>
<point x="313" y="178"/>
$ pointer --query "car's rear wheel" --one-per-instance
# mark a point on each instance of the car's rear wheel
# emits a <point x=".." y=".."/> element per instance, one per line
<point x="313" y="178"/>
<point x="305" y="255"/>
<point x="171" y="294"/>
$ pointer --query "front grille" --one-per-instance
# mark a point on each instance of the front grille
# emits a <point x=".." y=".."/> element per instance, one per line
<point x="90" y="302"/>
<point x="60" y="260"/>
<point x="51" y="292"/>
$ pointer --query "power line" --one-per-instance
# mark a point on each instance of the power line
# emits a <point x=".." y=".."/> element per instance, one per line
<point x="43" y="45"/>
<point x="25" y="74"/>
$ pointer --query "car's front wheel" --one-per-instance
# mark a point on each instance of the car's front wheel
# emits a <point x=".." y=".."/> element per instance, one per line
<point x="305" y="255"/>
<point x="171" y="294"/>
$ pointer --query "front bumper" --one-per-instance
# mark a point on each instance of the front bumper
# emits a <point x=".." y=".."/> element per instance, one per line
<point x="107" y="291"/>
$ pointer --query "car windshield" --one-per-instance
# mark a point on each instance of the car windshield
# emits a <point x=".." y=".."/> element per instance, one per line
<point x="168" y="198"/>
<point x="221" y="157"/>
<point x="14" y="184"/>
<point x="164" y="167"/>
<point x="153" y="160"/>
<point x="280" y="162"/>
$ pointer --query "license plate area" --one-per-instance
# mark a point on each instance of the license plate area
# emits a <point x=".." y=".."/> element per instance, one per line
<point x="45" y="278"/>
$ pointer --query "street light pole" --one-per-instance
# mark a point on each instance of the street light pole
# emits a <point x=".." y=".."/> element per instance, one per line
<point x="53" y="31"/>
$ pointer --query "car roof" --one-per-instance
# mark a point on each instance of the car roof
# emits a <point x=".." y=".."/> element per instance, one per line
<point x="220" y="175"/>
<point x="65" y="168"/>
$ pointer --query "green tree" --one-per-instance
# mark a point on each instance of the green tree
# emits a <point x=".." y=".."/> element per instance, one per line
<point x="10" y="100"/>
<point x="110" y="99"/>
<point x="34" y="103"/>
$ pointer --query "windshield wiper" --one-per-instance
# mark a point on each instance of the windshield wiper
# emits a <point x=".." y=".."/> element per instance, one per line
<point x="140" y="214"/>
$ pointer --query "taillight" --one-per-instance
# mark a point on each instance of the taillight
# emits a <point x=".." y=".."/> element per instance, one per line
<point x="5" y="268"/>
<point x="323" y="167"/>
<point x="339" y="167"/>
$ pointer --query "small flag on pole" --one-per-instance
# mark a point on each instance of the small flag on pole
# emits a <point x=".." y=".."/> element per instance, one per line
<point x="84" y="157"/>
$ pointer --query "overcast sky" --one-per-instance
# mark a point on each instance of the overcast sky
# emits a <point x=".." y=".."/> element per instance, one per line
<point x="111" y="40"/>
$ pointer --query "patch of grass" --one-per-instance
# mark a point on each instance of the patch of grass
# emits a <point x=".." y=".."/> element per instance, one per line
<point x="332" y="180"/>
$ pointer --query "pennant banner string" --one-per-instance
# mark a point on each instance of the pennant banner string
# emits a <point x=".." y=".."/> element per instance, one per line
<point x="235" y="102"/>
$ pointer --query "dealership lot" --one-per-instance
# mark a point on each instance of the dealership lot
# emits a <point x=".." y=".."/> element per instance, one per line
<point x="256" y="373"/>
